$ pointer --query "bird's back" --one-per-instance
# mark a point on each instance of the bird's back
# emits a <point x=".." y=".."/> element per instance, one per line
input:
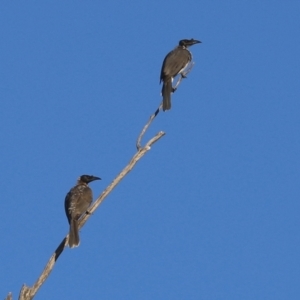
<point x="78" y="201"/>
<point x="175" y="62"/>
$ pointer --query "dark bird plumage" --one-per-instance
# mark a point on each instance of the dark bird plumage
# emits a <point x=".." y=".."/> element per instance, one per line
<point x="174" y="63"/>
<point x="77" y="202"/>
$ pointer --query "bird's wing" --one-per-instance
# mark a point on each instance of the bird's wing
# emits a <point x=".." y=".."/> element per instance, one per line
<point x="174" y="63"/>
<point x="72" y="198"/>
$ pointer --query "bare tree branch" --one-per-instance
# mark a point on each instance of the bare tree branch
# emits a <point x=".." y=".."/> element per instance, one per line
<point x="27" y="293"/>
<point x="183" y="75"/>
<point x="138" y="142"/>
<point x="123" y="173"/>
<point x="152" y="117"/>
<point x="9" y="296"/>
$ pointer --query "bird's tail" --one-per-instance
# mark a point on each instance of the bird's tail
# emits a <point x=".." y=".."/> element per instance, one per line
<point x="73" y="234"/>
<point x="166" y="93"/>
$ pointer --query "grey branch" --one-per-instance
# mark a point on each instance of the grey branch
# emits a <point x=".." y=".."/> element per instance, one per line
<point x="27" y="293"/>
<point x="121" y="175"/>
<point x="9" y="296"/>
<point x="183" y="75"/>
<point x="152" y="117"/>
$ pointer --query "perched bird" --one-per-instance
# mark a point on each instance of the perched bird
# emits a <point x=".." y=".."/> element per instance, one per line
<point x="174" y="63"/>
<point x="77" y="202"/>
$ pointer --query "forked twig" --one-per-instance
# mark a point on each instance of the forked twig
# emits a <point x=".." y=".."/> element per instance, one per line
<point x="152" y="117"/>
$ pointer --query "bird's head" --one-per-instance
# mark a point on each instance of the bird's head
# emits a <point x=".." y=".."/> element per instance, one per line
<point x="88" y="178"/>
<point x="188" y="43"/>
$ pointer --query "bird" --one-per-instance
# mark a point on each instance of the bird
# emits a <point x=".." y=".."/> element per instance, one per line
<point x="77" y="201"/>
<point x="174" y="63"/>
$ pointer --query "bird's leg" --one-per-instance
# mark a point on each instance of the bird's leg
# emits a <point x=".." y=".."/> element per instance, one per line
<point x="182" y="76"/>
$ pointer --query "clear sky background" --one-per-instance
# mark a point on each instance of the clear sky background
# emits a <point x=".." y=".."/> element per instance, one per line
<point x="212" y="211"/>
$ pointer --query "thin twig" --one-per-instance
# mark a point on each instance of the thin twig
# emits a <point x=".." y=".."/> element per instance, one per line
<point x="9" y="296"/>
<point x="152" y="117"/>
<point x="138" y="142"/>
<point x="27" y="293"/>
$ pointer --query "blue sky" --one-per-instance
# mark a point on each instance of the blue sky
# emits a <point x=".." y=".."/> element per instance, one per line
<point x="212" y="211"/>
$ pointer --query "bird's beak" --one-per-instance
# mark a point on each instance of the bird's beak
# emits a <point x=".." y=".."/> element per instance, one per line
<point x="95" y="178"/>
<point x="196" y="42"/>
